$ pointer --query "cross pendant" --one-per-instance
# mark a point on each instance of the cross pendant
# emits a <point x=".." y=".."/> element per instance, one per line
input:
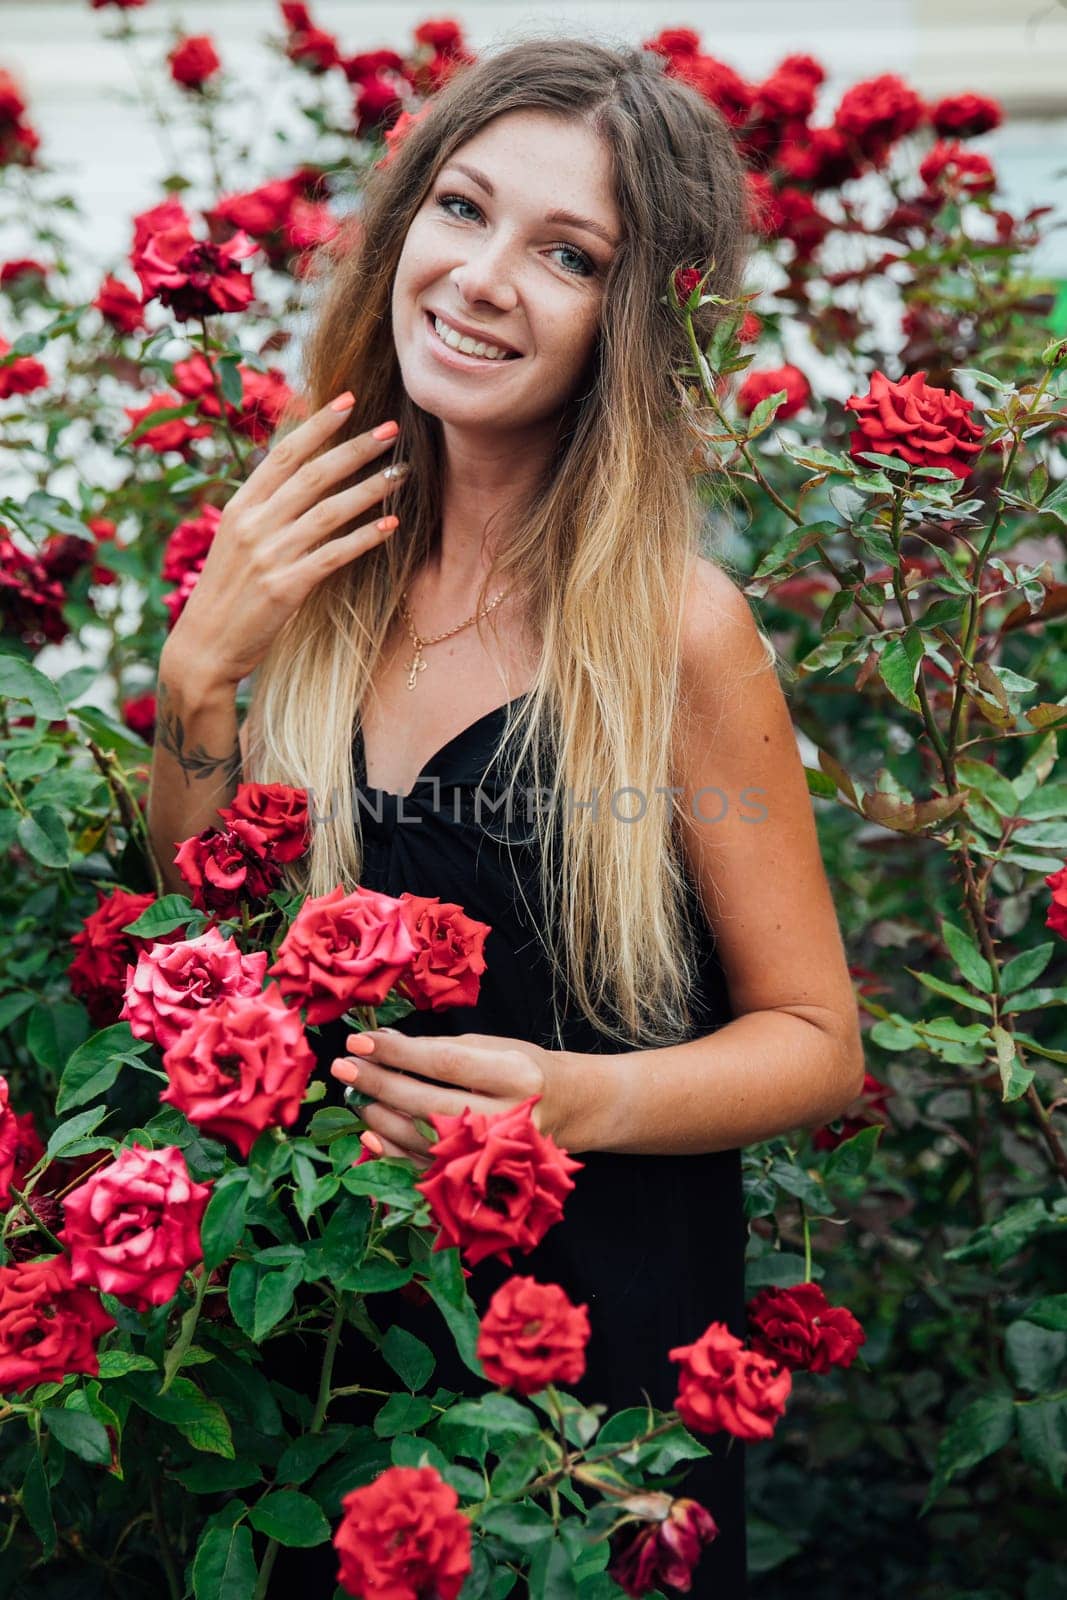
<point x="417" y="665"/>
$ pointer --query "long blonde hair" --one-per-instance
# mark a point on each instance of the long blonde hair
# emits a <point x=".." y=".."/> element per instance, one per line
<point x="601" y="549"/>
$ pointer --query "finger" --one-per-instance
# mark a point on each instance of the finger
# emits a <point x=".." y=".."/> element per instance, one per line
<point x="398" y="1153"/>
<point x="305" y="490"/>
<point x="392" y="1125"/>
<point x="337" y="511"/>
<point x="336" y="553"/>
<point x="479" y="1068"/>
<point x="296" y="447"/>
<point x="413" y="1096"/>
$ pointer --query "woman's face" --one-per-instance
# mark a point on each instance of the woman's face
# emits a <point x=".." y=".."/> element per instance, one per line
<point x="485" y="252"/>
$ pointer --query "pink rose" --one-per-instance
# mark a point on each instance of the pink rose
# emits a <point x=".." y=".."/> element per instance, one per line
<point x="133" y="1228"/>
<point x="171" y="982"/>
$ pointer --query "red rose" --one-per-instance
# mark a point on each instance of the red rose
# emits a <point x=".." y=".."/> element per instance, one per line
<point x="275" y="810"/>
<point x="368" y="63"/>
<point x="442" y="34"/>
<point x="20" y="376"/>
<point x="177" y="599"/>
<point x="804" y="66"/>
<point x="120" y="5"/>
<point x="133" y="1228"/>
<point x="758" y="386"/>
<point x="925" y="426"/>
<point x="176" y="433"/>
<point x="674" y="42"/>
<point x="310" y="223"/>
<point x="667" y="1550"/>
<point x="685" y="281"/>
<point x="1057" y="911"/>
<point x="495" y="1183"/>
<point x="120" y="306"/>
<point x="264" y="396"/>
<point x="531" y="1336"/>
<point x="759" y="203"/>
<point x="718" y="83"/>
<point x="876" y="113"/>
<point x="723" y="1385"/>
<point x="872" y="1099"/>
<point x="139" y="715"/>
<point x="20" y="1145"/>
<point x="191" y="277"/>
<point x="193" y="60"/>
<point x="396" y="135"/>
<point x="295" y="14"/>
<point x="172" y="982"/>
<point x="98" y="972"/>
<point x="241" y="1065"/>
<point x="961" y="116"/>
<point x="750" y="329"/>
<point x="23" y="268"/>
<point x="377" y="103"/>
<point x="261" y="211"/>
<point x="12" y="104"/>
<point x="448" y="962"/>
<point x="31" y="602"/>
<point x="343" y="950"/>
<point x="823" y="158"/>
<point x="48" y="1327"/>
<point x="957" y="170"/>
<point x="798" y="1327"/>
<point x="795" y="216"/>
<point x="785" y="97"/>
<point x="403" y="1537"/>
<point x="189" y="544"/>
<point x="224" y="866"/>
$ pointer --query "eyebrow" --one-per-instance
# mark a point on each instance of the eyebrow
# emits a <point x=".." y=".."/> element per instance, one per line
<point x="569" y="218"/>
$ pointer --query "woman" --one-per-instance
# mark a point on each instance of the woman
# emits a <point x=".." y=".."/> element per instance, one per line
<point x="669" y="977"/>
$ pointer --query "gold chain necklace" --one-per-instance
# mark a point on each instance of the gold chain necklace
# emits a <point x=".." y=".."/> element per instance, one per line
<point x="417" y="664"/>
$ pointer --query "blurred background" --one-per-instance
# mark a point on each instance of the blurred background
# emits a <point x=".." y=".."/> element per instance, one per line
<point x="83" y="90"/>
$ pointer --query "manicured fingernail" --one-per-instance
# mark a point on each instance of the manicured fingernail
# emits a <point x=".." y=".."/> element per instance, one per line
<point x="387" y="524"/>
<point x="344" y="402"/>
<point x="360" y="1042"/>
<point x="384" y="430"/>
<point x="372" y="1142"/>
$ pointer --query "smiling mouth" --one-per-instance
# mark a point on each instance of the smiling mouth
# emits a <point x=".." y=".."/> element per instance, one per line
<point x="497" y="361"/>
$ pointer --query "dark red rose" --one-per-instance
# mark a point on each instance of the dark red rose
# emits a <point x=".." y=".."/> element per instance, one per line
<point x="798" y="1327"/>
<point x="955" y="170"/>
<point x="20" y="376"/>
<point x="750" y="329"/>
<point x="120" y="306"/>
<point x="31" y="601"/>
<point x="1057" y="911"/>
<point x="189" y="544"/>
<point x="98" y="971"/>
<point x="962" y="116"/>
<point x="176" y="433"/>
<point x="12" y="105"/>
<point x="448" y="962"/>
<point x="923" y="425"/>
<point x="22" y="271"/>
<point x="133" y="1228"/>
<point x="442" y="34"/>
<point x="119" y="5"/>
<point x="258" y="212"/>
<point x="759" y="203"/>
<point x="784" y="97"/>
<point x="532" y="1335"/>
<point x="139" y="715"/>
<point x="377" y="103"/>
<point x="685" y="281"/>
<point x="343" y="950"/>
<point x="278" y="812"/>
<point x="306" y="44"/>
<point x="495" y="1183"/>
<point x="193" y="61"/>
<point x="796" y="217"/>
<point x="368" y="63"/>
<point x="20" y="1146"/>
<point x="403" y="1536"/>
<point x="264" y="396"/>
<point x="804" y="67"/>
<point x="674" y="42"/>
<point x="225" y="866"/>
<point x="872" y="1102"/>
<point x="876" y="113"/>
<point x="666" y="1550"/>
<point x="758" y="386"/>
<point x="241" y="1065"/>
<point x="822" y="158"/>
<point x="723" y="1385"/>
<point x="295" y="14"/>
<point x="48" y="1326"/>
<point x="719" y="84"/>
<point x="191" y="277"/>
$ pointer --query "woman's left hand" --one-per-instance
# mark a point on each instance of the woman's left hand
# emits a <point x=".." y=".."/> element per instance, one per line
<point x="489" y="1073"/>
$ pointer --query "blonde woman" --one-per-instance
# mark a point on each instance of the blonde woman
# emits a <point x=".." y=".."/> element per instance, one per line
<point x="665" y="968"/>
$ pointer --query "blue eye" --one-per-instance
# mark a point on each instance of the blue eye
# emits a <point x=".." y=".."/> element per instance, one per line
<point x="445" y="201"/>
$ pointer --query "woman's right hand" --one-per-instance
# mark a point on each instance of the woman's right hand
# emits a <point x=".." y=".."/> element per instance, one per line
<point x="273" y="545"/>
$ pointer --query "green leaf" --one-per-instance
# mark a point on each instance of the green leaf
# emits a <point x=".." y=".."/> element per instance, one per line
<point x="763" y="414"/>
<point x="853" y="1157"/>
<point x="21" y="681"/>
<point x="410" y="1359"/>
<point x="1026" y="968"/>
<point x="274" y="1298"/>
<point x="69" y="1132"/>
<point x="167" y="913"/>
<point x="965" y="953"/>
<point x="402" y="1413"/>
<point x="990" y="783"/>
<point x="43" y="835"/>
<point x="1034" y="1355"/>
<point x="37" y="1504"/>
<point x="1049" y="1312"/>
<point x="241" y="1293"/>
<point x="951" y="991"/>
<point x="12" y="1006"/>
<point x="215" y="1476"/>
<point x="496" y="1413"/>
<point x="302" y="1458"/>
<point x="551" y="1574"/>
<point x="224" y="1219"/>
<point x="81" y="1434"/>
<point x="447" y="1287"/>
<point x="1042" y="1426"/>
<point x="197" y="1418"/>
<point x="54" y="1031"/>
<point x="111" y="735"/>
<point x="981" y="1428"/>
<point x="518" y="1526"/>
<point x="898" y="666"/>
<point x="224" y="1567"/>
<point x="230" y="380"/>
<point x="291" y="1518"/>
<point x="117" y="1363"/>
<point x="518" y="1466"/>
<point x="1015" y="1078"/>
<point x="95" y="1065"/>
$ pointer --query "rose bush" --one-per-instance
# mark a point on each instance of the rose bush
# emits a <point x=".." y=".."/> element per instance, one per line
<point x="178" y="1192"/>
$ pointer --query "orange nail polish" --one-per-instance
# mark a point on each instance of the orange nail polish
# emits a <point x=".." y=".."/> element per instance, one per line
<point x="372" y="1141"/>
<point x="360" y="1042"/>
<point x="344" y="402"/>
<point x="385" y="430"/>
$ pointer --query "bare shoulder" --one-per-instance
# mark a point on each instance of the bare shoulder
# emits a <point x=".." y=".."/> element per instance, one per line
<point x="721" y="639"/>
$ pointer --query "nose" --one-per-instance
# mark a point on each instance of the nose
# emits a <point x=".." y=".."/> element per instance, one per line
<point x="487" y="275"/>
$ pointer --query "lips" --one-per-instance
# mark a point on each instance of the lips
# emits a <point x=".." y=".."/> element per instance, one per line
<point x="483" y="337"/>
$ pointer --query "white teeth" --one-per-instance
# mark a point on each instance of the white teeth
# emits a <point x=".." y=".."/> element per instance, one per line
<point x="469" y="346"/>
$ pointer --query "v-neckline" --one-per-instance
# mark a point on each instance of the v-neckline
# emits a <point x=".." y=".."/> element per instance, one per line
<point x="495" y="711"/>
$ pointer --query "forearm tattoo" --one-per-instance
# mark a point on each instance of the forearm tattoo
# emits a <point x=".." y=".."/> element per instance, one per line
<point x="195" y="761"/>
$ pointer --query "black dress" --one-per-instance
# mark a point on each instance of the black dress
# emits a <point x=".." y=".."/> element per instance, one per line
<point x="653" y="1245"/>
